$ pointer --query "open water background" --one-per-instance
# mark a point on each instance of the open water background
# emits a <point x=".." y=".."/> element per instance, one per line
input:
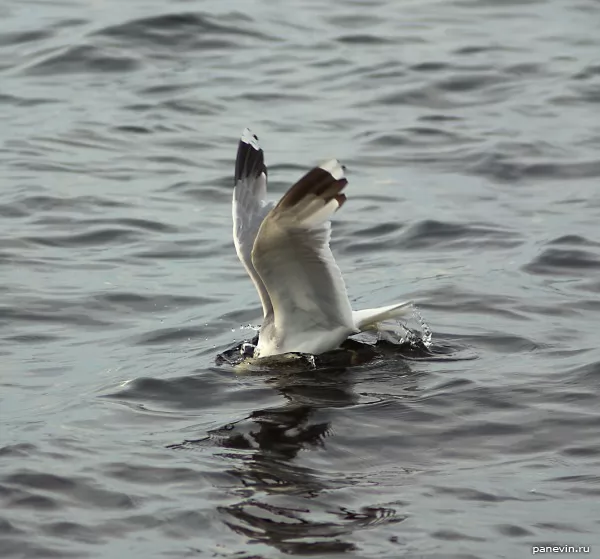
<point x="471" y="134"/>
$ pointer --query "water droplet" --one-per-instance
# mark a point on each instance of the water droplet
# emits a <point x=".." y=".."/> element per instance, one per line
<point x="426" y="333"/>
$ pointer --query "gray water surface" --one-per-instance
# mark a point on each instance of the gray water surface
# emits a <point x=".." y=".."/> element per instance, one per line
<point x="471" y="135"/>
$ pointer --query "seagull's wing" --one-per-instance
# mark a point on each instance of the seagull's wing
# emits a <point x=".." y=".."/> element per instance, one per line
<point x="249" y="206"/>
<point x="294" y="261"/>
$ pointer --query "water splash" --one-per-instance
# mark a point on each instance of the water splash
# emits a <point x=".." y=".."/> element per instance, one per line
<point x="397" y="332"/>
<point x="247" y="327"/>
<point x="426" y="333"/>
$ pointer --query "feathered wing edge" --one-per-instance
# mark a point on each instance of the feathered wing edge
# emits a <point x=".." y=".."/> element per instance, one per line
<point x="249" y="206"/>
<point x="293" y="258"/>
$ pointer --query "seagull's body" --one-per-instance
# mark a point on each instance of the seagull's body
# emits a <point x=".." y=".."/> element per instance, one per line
<point x="285" y="250"/>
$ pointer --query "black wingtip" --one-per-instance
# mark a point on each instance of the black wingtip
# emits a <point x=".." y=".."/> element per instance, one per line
<point x="250" y="160"/>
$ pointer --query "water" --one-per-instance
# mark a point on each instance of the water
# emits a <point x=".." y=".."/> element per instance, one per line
<point x="470" y="133"/>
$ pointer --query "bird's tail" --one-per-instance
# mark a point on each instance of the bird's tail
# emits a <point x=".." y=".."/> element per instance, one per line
<point x="368" y="319"/>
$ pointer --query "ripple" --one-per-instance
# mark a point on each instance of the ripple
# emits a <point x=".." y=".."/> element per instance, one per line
<point x="72" y="531"/>
<point x="187" y="31"/>
<point x="22" y="546"/>
<point x="298" y="534"/>
<point x="84" y="58"/>
<point x="161" y="336"/>
<point x="81" y="490"/>
<point x="468" y="494"/>
<point x="20" y="37"/>
<point x="27" y="205"/>
<point x="502" y="167"/>
<point x="513" y="531"/>
<point x="6" y="528"/>
<point x="574" y="240"/>
<point x="453" y="535"/>
<point x="363" y="39"/>
<point x="469" y="82"/>
<point x="570" y="262"/>
<point x="19" y="101"/>
<point x="104" y="236"/>
<point x="124" y="301"/>
<point x="586" y="372"/>
<point x="192" y="392"/>
<point x="433" y="234"/>
<point x="55" y="312"/>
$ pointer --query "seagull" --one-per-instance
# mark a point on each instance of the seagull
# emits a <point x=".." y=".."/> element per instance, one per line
<point x="284" y="247"/>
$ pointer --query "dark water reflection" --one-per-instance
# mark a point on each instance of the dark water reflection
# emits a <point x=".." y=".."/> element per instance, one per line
<point x="281" y="504"/>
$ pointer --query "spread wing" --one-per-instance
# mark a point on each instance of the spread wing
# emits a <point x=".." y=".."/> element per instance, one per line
<point x="249" y="206"/>
<point x="292" y="256"/>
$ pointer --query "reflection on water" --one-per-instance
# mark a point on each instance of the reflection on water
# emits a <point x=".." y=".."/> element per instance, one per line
<point x="281" y="503"/>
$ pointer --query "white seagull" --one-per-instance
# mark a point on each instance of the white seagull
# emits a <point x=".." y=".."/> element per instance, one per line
<point x="285" y="250"/>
